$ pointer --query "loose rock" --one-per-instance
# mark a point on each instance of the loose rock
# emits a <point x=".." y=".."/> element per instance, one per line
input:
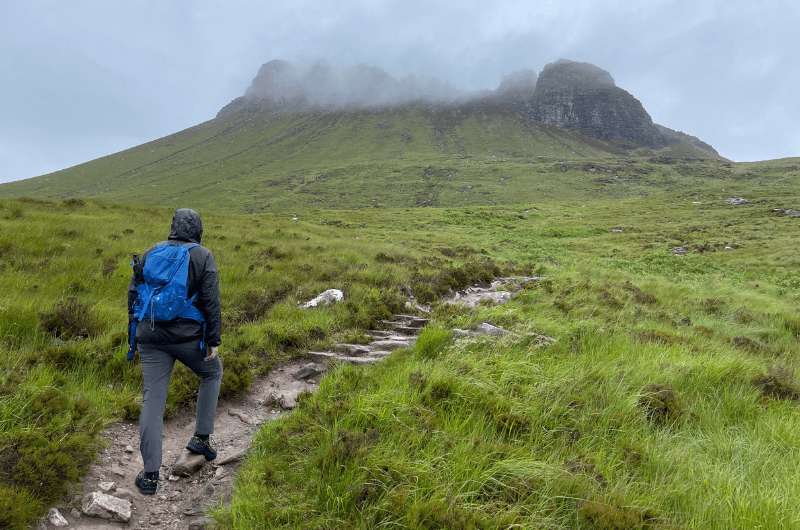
<point x="308" y="371"/>
<point x="241" y="415"/>
<point x="104" y="506"/>
<point x="331" y="296"/>
<point x="489" y="329"/>
<point x="107" y="487"/>
<point x="737" y="201"/>
<point x="55" y="518"/>
<point x="188" y="464"/>
<point x="233" y="457"/>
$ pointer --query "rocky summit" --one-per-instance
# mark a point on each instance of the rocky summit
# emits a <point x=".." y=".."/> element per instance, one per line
<point x="566" y="94"/>
<point x="324" y="136"/>
<point x="584" y="97"/>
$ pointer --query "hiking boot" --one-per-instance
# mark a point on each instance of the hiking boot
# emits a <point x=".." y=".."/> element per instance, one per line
<point x="199" y="446"/>
<point x="147" y="482"/>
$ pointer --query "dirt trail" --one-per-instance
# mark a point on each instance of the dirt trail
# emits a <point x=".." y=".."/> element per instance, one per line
<point x="180" y="501"/>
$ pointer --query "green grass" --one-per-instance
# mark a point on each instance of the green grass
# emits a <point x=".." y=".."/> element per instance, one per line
<point x="403" y="157"/>
<point x="65" y="268"/>
<point x="668" y="399"/>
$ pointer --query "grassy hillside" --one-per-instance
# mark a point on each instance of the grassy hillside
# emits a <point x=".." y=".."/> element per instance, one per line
<point x="400" y="157"/>
<point x="668" y="399"/>
<point x="65" y="268"/>
<point x="457" y="434"/>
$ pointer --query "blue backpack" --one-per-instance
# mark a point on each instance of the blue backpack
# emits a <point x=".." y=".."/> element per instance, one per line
<point x="163" y="294"/>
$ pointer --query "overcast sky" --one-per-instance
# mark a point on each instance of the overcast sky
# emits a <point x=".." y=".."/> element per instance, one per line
<point x="85" y="78"/>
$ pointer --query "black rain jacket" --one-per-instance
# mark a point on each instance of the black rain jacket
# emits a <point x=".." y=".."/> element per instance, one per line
<point x="203" y="280"/>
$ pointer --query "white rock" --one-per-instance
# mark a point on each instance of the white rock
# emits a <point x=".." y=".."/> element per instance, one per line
<point x="55" y="518"/>
<point x="128" y="448"/>
<point x="737" y="201"/>
<point x="489" y="329"/>
<point x="331" y="296"/>
<point x="104" y="506"/>
<point x="107" y="487"/>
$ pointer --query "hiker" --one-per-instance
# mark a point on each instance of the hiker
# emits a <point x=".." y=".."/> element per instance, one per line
<point x="174" y="313"/>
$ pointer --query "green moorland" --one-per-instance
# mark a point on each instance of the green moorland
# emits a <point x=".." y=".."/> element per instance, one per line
<point x="667" y="400"/>
<point x="402" y="157"/>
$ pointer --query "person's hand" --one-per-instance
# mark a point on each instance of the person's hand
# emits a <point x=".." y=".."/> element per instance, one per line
<point x="212" y="353"/>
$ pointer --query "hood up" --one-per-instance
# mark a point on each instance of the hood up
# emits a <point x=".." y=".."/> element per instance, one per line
<point x="186" y="226"/>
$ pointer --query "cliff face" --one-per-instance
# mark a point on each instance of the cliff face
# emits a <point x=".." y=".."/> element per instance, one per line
<point x="584" y="97"/>
<point x="566" y="94"/>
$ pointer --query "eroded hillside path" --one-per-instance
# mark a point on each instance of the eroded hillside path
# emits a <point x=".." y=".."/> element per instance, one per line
<point x="189" y="485"/>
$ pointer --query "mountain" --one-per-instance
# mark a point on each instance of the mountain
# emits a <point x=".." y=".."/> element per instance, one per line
<point x="319" y="136"/>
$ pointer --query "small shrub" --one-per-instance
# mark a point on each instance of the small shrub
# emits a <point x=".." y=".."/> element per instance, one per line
<point x="602" y="516"/>
<point x="748" y="344"/>
<point x="432" y="341"/>
<point x="639" y="296"/>
<point x="70" y="319"/>
<point x="109" y="266"/>
<point x="713" y="306"/>
<point x="18" y="507"/>
<point x="658" y="337"/>
<point x="792" y="325"/>
<point x="237" y="373"/>
<point x="256" y="304"/>
<point x="660" y="404"/>
<point x="74" y="203"/>
<point x="743" y="316"/>
<point x="778" y="383"/>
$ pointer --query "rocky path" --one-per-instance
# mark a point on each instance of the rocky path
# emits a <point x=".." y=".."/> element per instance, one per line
<point x="109" y="498"/>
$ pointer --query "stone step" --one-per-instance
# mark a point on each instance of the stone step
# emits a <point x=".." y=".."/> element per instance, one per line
<point x="408" y="330"/>
<point x="395" y="324"/>
<point x="390" y="344"/>
<point x="412" y="317"/>
<point x="351" y="349"/>
<point x="328" y="355"/>
<point x="392" y="335"/>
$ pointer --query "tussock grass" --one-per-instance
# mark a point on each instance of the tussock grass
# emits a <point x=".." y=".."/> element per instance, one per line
<point x="657" y="406"/>
<point x="63" y="320"/>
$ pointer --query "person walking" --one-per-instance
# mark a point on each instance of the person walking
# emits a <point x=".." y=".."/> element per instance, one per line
<point x="174" y="313"/>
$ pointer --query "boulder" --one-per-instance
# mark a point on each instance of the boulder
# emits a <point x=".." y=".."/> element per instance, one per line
<point x="328" y="297"/>
<point x="737" y="201"/>
<point x="104" y="506"/>
<point x="188" y="464"/>
<point x="55" y="518"/>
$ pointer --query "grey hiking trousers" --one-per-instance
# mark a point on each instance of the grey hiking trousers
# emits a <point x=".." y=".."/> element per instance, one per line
<point x="157" y="361"/>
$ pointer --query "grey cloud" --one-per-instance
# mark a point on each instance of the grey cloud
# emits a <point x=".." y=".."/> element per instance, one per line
<point x="81" y="79"/>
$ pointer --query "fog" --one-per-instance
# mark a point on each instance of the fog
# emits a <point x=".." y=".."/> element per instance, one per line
<point x="79" y="80"/>
<point x="323" y="84"/>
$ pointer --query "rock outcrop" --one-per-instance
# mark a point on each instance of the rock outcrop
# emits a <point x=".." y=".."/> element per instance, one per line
<point x="584" y="97"/>
<point x="566" y="94"/>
